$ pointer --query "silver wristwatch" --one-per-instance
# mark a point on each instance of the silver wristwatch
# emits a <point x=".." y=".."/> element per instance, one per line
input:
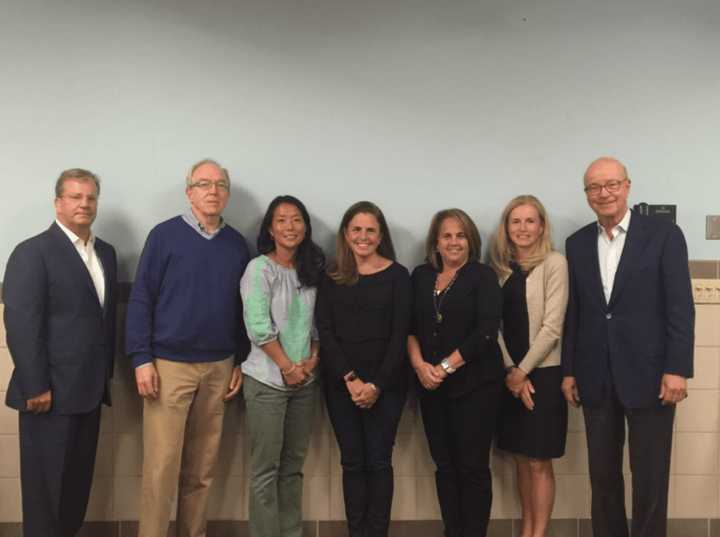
<point x="445" y="364"/>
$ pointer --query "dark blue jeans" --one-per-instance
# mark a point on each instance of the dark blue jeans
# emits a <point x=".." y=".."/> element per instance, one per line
<point x="366" y="438"/>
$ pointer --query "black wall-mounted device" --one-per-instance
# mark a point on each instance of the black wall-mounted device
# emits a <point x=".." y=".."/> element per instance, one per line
<point x="669" y="212"/>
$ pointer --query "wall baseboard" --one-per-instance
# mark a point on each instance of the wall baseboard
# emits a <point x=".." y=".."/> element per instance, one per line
<point x="564" y="527"/>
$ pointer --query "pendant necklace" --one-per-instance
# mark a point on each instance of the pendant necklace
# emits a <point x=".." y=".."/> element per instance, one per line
<point x="439" y="296"/>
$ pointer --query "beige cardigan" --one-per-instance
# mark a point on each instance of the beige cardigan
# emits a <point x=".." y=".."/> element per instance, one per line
<point x="546" y="293"/>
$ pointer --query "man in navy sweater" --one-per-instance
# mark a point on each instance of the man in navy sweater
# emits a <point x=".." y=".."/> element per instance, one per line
<point x="186" y="338"/>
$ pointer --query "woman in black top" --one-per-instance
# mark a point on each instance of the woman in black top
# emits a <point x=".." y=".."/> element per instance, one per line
<point x="454" y="351"/>
<point x="363" y="308"/>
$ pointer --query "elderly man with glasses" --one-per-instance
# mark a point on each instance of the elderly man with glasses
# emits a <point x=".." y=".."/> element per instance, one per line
<point x="627" y="349"/>
<point x="185" y="337"/>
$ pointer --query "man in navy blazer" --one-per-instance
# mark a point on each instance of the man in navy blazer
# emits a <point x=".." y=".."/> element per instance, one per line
<point x="627" y="349"/>
<point x="59" y="294"/>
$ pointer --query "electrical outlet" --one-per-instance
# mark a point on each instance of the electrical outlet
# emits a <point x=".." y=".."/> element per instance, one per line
<point x="706" y="291"/>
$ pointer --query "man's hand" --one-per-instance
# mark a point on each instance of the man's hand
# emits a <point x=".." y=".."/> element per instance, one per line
<point x="427" y="376"/>
<point x="673" y="389"/>
<point x="570" y="391"/>
<point x="40" y="403"/>
<point x="148" y="381"/>
<point x="235" y="383"/>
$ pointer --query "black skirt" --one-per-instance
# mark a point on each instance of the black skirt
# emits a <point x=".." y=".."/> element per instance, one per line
<point x="539" y="433"/>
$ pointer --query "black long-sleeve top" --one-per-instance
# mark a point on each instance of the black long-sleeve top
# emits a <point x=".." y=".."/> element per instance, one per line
<point x="471" y="311"/>
<point x="363" y="327"/>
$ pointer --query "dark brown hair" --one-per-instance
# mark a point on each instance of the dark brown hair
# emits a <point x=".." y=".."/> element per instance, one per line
<point x="344" y="269"/>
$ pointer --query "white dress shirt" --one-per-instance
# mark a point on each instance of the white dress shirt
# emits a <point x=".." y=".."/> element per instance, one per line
<point x="90" y="258"/>
<point x="609" y="252"/>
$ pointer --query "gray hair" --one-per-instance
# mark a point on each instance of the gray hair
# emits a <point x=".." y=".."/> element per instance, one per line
<point x="78" y="174"/>
<point x="188" y="178"/>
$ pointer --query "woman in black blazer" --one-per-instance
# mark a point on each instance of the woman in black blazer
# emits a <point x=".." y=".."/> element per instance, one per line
<point x="454" y="350"/>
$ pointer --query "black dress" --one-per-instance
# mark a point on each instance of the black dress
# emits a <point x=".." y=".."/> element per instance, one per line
<point x="539" y="433"/>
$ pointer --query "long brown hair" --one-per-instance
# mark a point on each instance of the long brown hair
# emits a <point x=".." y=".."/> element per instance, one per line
<point x="344" y="269"/>
<point x="503" y="252"/>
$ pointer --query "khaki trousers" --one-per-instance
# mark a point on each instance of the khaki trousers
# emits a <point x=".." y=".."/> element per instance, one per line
<point x="181" y="438"/>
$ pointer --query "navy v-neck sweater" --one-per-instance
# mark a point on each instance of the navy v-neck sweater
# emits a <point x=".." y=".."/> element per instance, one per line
<point x="185" y="303"/>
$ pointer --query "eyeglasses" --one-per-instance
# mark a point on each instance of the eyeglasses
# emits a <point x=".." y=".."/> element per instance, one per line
<point x="206" y="184"/>
<point x="612" y="186"/>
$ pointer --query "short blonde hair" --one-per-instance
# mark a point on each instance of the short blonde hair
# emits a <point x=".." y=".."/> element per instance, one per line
<point x="502" y="251"/>
<point x="78" y="174"/>
<point x="432" y="256"/>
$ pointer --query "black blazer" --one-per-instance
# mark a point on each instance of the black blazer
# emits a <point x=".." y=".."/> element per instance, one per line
<point x="471" y="312"/>
<point x="60" y="337"/>
<point x="647" y="328"/>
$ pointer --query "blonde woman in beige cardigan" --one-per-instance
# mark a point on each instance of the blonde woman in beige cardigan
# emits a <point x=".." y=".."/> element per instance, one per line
<point x="533" y="418"/>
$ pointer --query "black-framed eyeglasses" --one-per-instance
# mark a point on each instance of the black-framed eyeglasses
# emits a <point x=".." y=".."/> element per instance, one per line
<point x="612" y="186"/>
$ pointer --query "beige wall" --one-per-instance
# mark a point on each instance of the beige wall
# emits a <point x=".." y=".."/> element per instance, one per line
<point x="695" y="481"/>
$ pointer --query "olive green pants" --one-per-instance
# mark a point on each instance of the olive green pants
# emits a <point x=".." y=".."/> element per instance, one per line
<point x="279" y="425"/>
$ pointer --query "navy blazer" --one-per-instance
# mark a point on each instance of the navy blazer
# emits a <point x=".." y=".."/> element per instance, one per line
<point x="59" y="335"/>
<point x="646" y="329"/>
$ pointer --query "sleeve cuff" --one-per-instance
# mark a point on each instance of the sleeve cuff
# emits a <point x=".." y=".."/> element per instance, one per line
<point x="380" y="384"/>
<point x="141" y="359"/>
<point x="259" y="342"/>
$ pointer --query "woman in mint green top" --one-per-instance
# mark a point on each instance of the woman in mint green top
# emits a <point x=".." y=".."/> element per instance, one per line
<point x="278" y="292"/>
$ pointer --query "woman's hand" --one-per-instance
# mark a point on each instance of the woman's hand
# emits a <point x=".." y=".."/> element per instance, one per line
<point x="526" y="394"/>
<point x="295" y="375"/>
<point x="309" y="364"/>
<point x="440" y="372"/>
<point x="367" y="395"/>
<point x="354" y="387"/>
<point x="428" y="376"/>
<point x="515" y="380"/>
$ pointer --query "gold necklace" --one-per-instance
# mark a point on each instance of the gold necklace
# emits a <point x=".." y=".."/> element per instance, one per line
<point x="439" y="295"/>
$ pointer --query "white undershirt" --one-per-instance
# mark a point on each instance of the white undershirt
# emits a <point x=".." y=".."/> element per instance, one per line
<point x="609" y="252"/>
<point x="90" y="258"/>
